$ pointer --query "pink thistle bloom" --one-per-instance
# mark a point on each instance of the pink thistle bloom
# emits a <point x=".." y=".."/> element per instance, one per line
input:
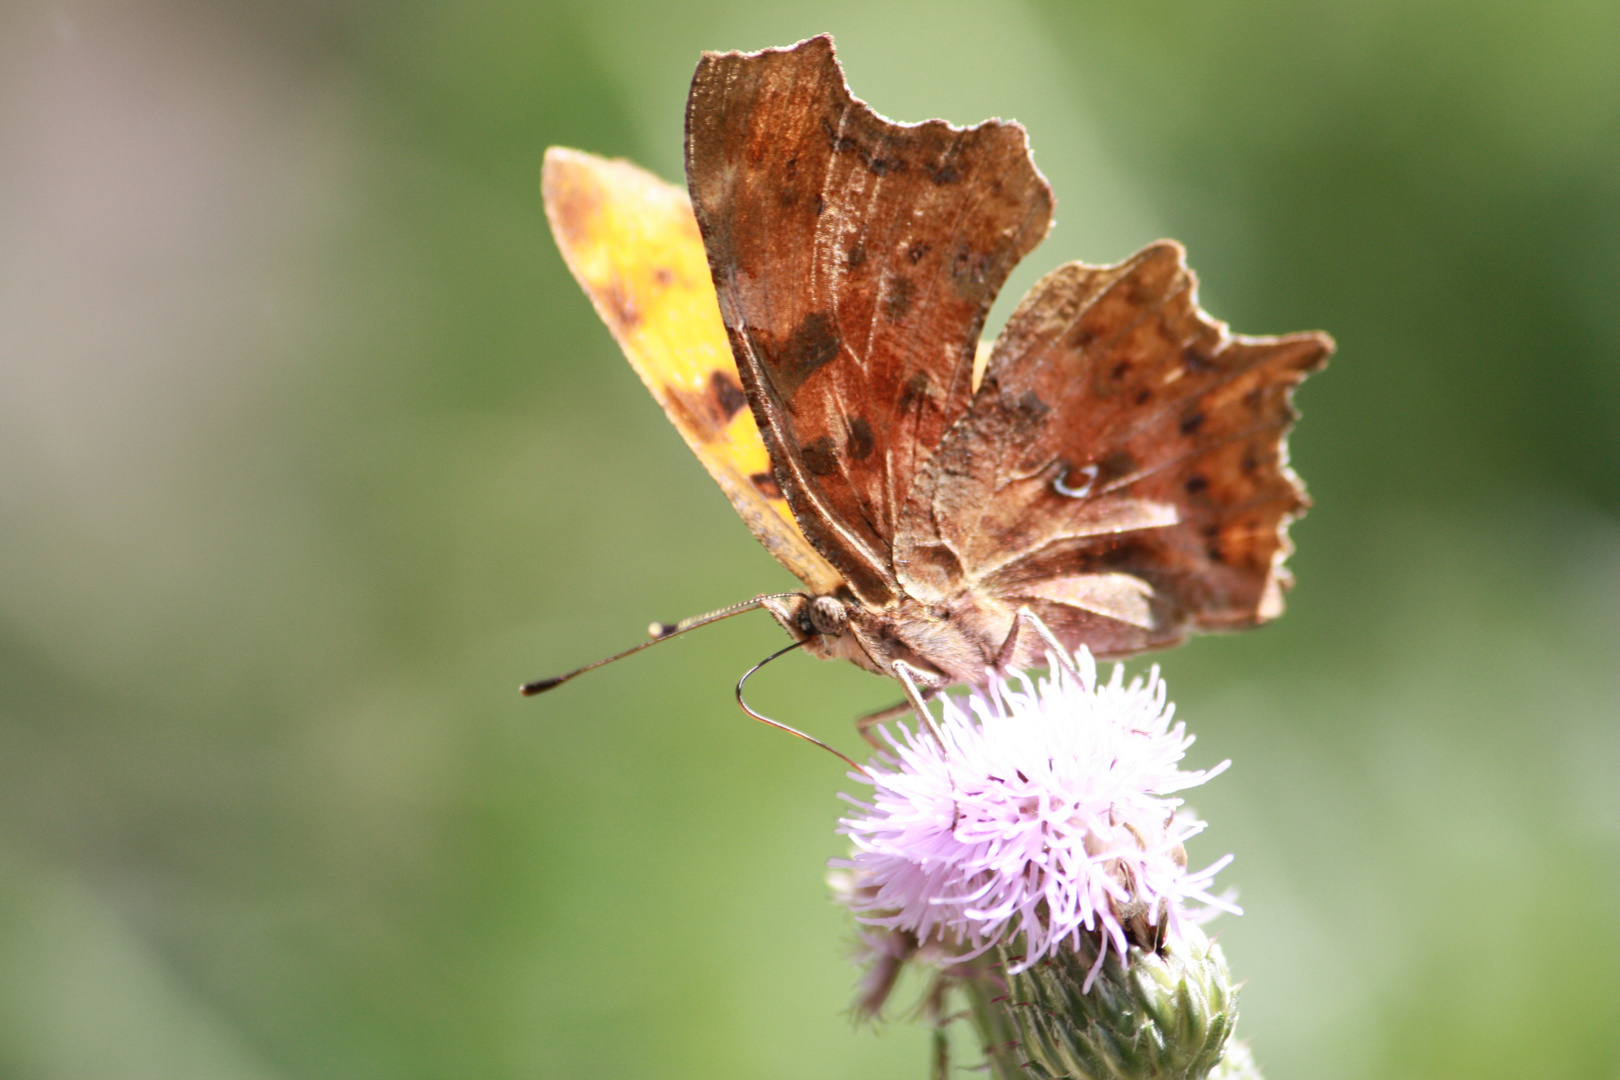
<point x="1048" y="813"/>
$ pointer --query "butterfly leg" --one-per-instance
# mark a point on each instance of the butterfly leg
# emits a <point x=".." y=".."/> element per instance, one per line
<point x="1009" y="647"/>
<point x="914" y="696"/>
<point x="866" y="726"/>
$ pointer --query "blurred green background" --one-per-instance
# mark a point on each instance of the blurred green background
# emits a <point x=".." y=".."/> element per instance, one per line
<point x="310" y="451"/>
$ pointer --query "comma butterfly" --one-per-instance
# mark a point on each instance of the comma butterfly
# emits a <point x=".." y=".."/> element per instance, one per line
<point x="1112" y="474"/>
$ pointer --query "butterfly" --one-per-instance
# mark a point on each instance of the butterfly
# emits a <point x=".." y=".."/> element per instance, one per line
<point x="1112" y="472"/>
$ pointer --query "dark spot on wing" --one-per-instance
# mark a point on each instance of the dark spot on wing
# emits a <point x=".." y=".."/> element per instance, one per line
<point x="1118" y="464"/>
<point x="1120" y="370"/>
<point x="968" y="270"/>
<point x="880" y="160"/>
<point x="1250" y="462"/>
<point x="860" y="442"/>
<point x="1196" y="484"/>
<point x="914" y="392"/>
<point x="1122" y="552"/>
<point x="1030" y="406"/>
<point x="663" y="275"/>
<point x="856" y="255"/>
<point x="1215" y="553"/>
<point x="1198" y="356"/>
<point x="898" y="301"/>
<point x="766" y="485"/>
<point x="949" y="166"/>
<point x="626" y="316"/>
<point x="821" y="205"/>
<point x="1191" y="422"/>
<point x="916" y="252"/>
<point x="1143" y="396"/>
<point x="728" y="397"/>
<point x="813" y="344"/>
<point x="1026" y="415"/>
<point x="1141" y="290"/>
<point x="821" y="457"/>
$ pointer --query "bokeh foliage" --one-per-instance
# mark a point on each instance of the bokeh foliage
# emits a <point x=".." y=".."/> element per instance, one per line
<point x="310" y="450"/>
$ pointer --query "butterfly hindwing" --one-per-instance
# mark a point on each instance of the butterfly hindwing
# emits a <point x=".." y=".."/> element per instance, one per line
<point x="633" y="244"/>
<point x="1123" y="468"/>
<point x="855" y="261"/>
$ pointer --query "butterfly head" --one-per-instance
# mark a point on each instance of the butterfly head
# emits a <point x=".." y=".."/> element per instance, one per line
<point x="821" y="623"/>
<point x="831" y="626"/>
<point x="839" y="626"/>
<point x="827" y="616"/>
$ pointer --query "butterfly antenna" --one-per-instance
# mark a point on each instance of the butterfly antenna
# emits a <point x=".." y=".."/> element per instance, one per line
<point x="656" y="632"/>
<point x="777" y="724"/>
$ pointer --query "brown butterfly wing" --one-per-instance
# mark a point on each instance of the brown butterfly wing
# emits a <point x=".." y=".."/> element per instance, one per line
<point x="855" y="260"/>
<point x="1123" y="468"/>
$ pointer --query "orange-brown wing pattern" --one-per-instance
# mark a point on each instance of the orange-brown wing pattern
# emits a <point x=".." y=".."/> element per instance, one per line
<point x="1123" y="469"/>
<point x="632" y="243"/>
<point x="855" y="261"/>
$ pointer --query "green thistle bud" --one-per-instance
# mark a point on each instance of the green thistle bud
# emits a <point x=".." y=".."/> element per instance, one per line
<point x="1166" y="1014"/>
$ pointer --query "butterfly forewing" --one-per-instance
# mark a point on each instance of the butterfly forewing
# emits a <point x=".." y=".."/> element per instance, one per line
<point x="855" y="261"/>
<point x="631" y="241"/>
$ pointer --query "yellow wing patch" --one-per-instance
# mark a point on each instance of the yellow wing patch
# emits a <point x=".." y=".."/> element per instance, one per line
<point x="633" y="244"/>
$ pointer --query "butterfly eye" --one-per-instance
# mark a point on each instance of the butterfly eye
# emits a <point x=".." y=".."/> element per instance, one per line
<point x="828" y="615"/>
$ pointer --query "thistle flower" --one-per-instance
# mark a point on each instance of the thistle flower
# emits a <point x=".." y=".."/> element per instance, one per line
<point x="1044" y="814"/>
